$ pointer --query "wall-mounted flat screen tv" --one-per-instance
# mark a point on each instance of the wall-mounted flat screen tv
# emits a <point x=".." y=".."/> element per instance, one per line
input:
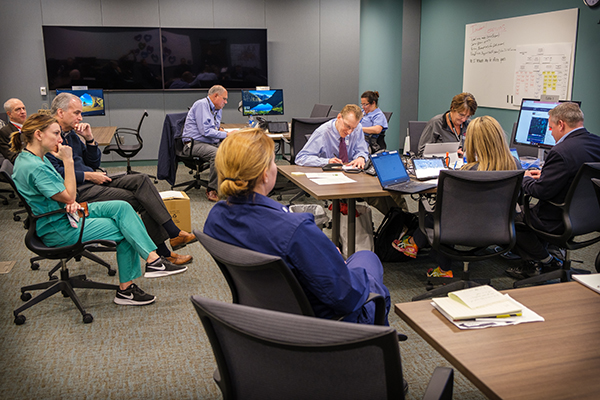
<point x="92" y="100"/>
<point x="262" y="102"/>
<point x="200" y="58"/>
<point x="154" y="58"/>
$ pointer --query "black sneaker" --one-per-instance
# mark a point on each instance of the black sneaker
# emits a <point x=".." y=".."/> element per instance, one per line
<point x="133" y="296"/>
<point x="161" y="267"/>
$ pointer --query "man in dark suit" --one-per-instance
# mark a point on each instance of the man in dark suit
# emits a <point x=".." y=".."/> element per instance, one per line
<point x="574" y="147"/>
<point x="17" y="114"/>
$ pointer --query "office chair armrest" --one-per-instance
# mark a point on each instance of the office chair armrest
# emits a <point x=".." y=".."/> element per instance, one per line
<point x="128" y="131"/>
<point x="441" y="384"/>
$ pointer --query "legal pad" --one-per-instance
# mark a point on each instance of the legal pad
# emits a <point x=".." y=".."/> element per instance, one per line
<point x="392" y="174"/>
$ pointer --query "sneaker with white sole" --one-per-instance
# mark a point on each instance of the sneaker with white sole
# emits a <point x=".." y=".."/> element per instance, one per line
<point x="133" y="296"/>
<point x="162" y="267"/>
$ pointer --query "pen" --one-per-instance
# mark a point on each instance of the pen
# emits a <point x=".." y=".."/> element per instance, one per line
<point x="496" y="316"/>
<point x="455" y="164"/>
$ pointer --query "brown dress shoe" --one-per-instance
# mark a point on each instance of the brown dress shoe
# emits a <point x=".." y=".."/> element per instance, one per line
<point x="181" y="240"/>
<point x="179" y="259"/>
<point x="212" y="195"/>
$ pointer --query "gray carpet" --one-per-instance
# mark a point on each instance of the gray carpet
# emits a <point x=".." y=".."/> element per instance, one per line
<point x="160" y="351"/>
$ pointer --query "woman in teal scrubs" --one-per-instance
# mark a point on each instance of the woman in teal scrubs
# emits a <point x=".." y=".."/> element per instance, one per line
<point x="45" y="190"/>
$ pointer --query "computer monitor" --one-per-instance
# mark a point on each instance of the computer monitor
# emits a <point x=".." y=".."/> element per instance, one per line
<point x="262" y="102"/>
<point x="532" y="124"/>
<point x="91" y="99"/>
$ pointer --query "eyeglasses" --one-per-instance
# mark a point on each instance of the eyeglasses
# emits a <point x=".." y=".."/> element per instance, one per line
<point x="363" y="105"/>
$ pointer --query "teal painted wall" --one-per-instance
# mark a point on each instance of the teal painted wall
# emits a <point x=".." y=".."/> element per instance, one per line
<point x="442" y="51"/>
<point x="380" y="59"/>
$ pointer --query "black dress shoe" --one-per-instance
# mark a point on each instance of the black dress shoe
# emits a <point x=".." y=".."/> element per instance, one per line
<point x="525" y="270"/>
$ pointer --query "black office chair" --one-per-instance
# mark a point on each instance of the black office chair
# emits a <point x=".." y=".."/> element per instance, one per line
<point x="580" y="215"/>
<point x="333" y="113"/>
<point x="194" y="163"/>
<point x="6" y="175"/>
<point x="264" y="354"/>
<point x="377" y="141"/>
<point x="301" y="130"/>
<point x="265" y="281"/>
<point x="320" y="110"/>
<point x="10" y="193"/>
<point x="414" y="131"/>
<point x="596" y="183"/>
<point x="474" y="212"/>
<point x="128" y="151"/>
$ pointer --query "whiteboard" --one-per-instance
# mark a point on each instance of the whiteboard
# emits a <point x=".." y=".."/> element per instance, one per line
<point x="495" y="52"/>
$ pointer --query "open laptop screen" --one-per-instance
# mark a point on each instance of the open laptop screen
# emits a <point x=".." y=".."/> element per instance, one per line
<point x="389" y="167"/>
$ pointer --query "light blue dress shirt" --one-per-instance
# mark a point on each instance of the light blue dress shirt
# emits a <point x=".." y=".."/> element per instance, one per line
<point x="203" y="122"/>
<point x="324" y="144"/>
<point x="375" y="117"/>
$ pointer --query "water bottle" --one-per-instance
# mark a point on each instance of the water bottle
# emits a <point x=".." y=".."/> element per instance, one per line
<point x="251" y="121"/>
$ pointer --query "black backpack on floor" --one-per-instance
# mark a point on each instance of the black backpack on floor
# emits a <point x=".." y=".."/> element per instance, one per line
<point x="390" y="229"/>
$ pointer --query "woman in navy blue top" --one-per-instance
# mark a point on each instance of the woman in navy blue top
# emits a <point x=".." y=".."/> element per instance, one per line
<point x="248" y="218"/>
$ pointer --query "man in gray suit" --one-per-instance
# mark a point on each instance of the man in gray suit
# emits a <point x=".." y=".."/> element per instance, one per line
<point x="136" y="189"/>
<point x="17" y="114"/>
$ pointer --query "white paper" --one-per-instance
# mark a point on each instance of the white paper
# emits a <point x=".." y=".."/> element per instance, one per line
<point x="171" y="194"/>
<point x="329" y="178"/>
<point x="481" y="323"/>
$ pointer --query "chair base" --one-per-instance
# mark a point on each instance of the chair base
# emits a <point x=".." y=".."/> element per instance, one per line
<point x="65" y="285"/>
<point x="87" y="253"/>
<point x="450" y="287"/>
<point x="196" y="183"/>
<point x="563" y="274"/>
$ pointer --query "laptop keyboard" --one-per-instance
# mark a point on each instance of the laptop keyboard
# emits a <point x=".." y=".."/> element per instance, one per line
<point x="406" y="185"/>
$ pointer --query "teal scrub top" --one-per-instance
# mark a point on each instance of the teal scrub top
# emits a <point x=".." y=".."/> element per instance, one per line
<point x="38" y="181"/>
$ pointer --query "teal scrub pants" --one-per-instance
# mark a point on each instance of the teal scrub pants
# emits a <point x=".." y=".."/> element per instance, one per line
<point x="109" y="220"/>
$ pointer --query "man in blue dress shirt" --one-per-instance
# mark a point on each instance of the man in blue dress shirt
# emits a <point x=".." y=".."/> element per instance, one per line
<point x="330" y="139"/>
<point x="325" y="143"/>
<point x="203" y="124"/>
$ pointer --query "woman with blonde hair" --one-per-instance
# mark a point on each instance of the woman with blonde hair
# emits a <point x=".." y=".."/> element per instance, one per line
<point x="486" y="150"/>
<point x="45" y="190"/>
<point x="248" y="218"/>
<point x="486" y="147"/>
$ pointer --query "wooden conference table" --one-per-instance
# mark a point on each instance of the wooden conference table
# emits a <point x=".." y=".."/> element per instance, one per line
<point x="555" y="359"/>
<point x="103" y="134"/>
<point x="365" y="186"/>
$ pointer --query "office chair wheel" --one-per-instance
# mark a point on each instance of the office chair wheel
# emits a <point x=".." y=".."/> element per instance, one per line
<point x="11" y="195"/>
<point x="112" y="272"/>
<point x="25" y="296"/>
<point x="16" y="218"/>
<point x="87" y="318"/>
<point x="53" y="277"/>
<point x="20" y="319"/>
<point x="35" y="266"/>
<point x="64" y="293"/>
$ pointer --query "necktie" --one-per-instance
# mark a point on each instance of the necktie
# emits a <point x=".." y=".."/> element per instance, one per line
<point x="343" y="151"/>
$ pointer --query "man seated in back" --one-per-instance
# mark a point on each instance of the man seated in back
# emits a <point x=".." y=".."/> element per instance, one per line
<point x="17" y="114"/>
<point x="136" y="189"/>
<point x="574" y="147"/>
<point x="203" y="124"/>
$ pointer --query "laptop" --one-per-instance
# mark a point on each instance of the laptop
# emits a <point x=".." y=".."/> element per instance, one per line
<point x="440" y="149"/>
<point x="392" y="174"/>
<point x="428" y="168"/>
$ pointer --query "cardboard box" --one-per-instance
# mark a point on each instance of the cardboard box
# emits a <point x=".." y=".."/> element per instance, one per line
<point x="178" y="205"/>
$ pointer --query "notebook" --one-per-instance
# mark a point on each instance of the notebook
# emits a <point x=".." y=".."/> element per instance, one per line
<point x="440" y="150"/>
<point x="590" y="280"/>
<point x="392" y="174"/>
<point x="428" y="168"/>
